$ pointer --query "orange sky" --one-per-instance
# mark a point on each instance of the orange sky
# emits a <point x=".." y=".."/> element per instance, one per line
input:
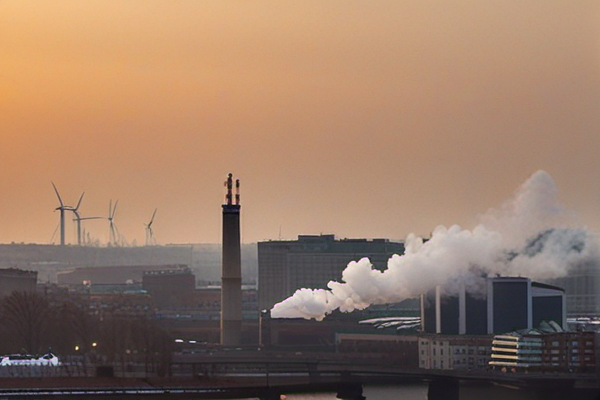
<point x="363" y="119"/>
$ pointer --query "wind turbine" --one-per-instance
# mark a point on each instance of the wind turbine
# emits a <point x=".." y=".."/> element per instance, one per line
<point x="78" y="219"/>
<point x="149" y="234"/>
<point x="62" y="209"/>
<point x="114" y="232"/>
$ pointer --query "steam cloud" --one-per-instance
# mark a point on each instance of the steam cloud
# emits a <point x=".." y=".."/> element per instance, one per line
<point x="531" y="235"/>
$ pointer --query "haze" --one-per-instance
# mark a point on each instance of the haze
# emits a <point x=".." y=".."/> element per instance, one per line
<point x="363" y="119"/>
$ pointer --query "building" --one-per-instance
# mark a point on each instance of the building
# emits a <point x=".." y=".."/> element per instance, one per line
<point x="49" y="260"/>
<point x="514" y="351"/>
<point x="110" y="275"/>
<point x="170" y="287"/>
<point x="571" y="351"/>
<point x="582" y="287"/>
<point x="399" y="349"/>
<point x="454" y="352"/>
<point x="17" y="280"/>
<point x="311" y="262"/>
<point x="504" y="305"/>
<point x="547" y="352"/>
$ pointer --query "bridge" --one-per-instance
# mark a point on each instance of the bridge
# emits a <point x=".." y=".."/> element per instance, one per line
<point x="267" y="375"/>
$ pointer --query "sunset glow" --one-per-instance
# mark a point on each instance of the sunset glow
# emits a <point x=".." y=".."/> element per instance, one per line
<point x="363" y="119"/>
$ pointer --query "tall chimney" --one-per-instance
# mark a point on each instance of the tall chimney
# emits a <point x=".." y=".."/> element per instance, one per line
<point x="231" y="271"/>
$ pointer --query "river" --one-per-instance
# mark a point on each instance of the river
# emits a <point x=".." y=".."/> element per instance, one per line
<point x="467" y="392"/>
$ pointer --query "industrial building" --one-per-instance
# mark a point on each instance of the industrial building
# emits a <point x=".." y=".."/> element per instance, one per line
<point x="508" y="304"/>
<point x="311" y="262"/>
<point x="111" y="275"/>
<point x="173" y="287"/>
<point x="17" y="280"/>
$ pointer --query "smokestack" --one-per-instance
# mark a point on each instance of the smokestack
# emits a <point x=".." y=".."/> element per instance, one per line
<point x="231" y="272"/>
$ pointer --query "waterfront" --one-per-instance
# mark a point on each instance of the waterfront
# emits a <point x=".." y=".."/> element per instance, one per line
<point x="467" y="392"/>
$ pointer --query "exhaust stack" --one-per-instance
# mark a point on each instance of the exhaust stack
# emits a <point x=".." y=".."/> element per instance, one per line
<point x="231" y="271"/>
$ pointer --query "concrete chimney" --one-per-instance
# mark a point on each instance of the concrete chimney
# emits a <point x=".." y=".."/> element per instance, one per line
<point x="231" y="271"/>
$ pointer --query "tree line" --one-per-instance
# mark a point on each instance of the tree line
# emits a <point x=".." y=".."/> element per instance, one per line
<point x="35" y="323"/>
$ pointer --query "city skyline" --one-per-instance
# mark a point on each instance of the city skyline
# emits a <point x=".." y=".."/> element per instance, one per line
<point x="362" y="120"/>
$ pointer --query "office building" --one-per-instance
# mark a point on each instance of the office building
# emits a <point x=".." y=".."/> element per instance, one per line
<point x="311" y="262"/>
<point x="582" y="289"/>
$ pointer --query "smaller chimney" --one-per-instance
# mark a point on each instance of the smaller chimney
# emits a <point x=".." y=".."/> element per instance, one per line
<point x="229" y="184"/>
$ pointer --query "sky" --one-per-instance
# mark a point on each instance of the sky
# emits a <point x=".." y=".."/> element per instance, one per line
<point x="362" y="119"/>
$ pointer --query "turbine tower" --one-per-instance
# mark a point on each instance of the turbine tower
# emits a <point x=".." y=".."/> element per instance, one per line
<point x="62" y="208"/>
<point x="78" y="219"/>
<point x="114" y="237"/>
<point x="149" y="233"/>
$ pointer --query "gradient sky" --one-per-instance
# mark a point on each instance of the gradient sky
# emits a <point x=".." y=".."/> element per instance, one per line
<point x="359" y="118"/>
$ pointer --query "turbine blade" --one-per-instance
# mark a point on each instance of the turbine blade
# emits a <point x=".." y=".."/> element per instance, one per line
<point x="109" y="208"/>
<point x="58" y="194"/>
<point x="79" y="202"/>
<point x="114" y="211"/>
<point x="152" y="219"/>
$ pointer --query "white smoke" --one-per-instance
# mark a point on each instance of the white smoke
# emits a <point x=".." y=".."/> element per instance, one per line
<point x="531" y="235"/>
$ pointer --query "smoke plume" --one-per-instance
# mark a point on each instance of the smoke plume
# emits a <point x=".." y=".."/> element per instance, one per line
<point x="531" y="235"/>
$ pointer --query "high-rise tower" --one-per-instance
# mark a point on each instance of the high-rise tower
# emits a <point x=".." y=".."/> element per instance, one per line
<point x="231" y="271"/>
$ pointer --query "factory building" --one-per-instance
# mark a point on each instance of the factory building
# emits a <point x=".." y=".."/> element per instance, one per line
<point x="311" y="262"/>
<point x="508" y="304"/>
